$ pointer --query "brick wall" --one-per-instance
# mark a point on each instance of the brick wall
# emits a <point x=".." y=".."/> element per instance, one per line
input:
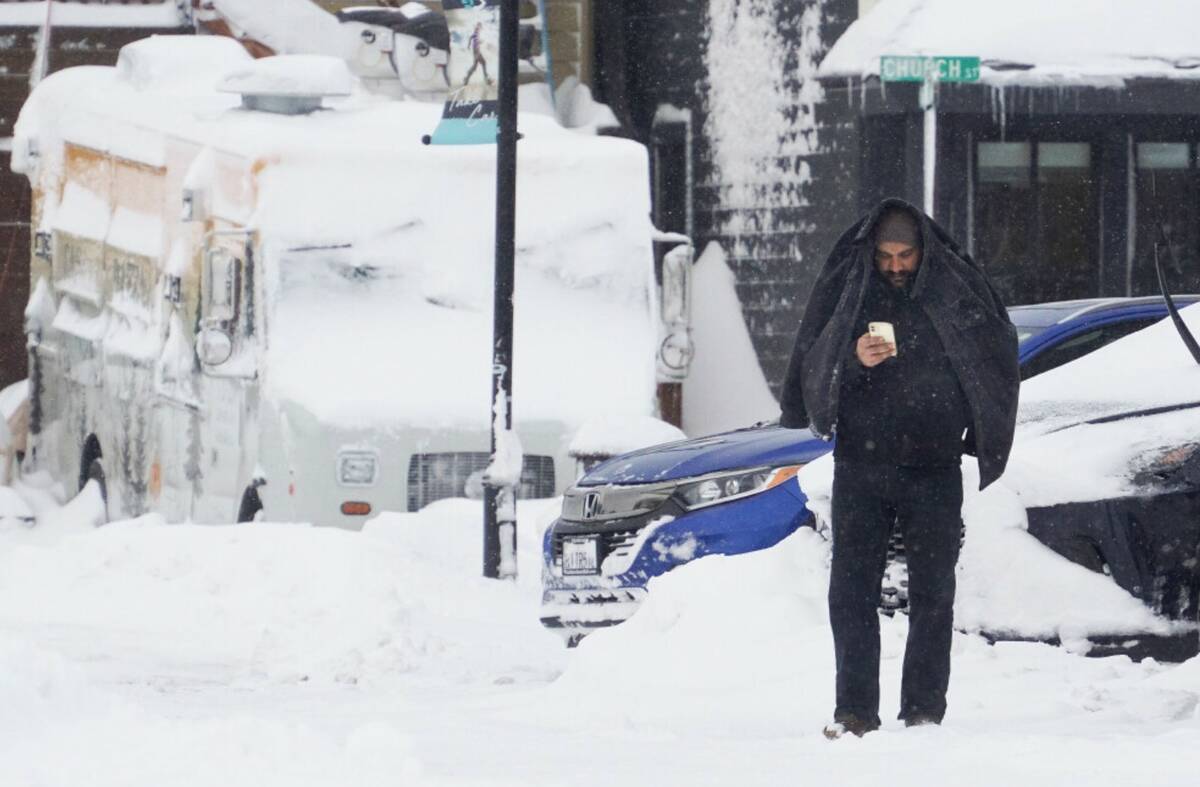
<point x="776" y="192"/>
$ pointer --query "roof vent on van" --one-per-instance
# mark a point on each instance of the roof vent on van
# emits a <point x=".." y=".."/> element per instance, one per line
<point x="289" y="84"/>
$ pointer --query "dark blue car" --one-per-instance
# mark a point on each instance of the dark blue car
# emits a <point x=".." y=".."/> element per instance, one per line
<point x="639" y="515"/>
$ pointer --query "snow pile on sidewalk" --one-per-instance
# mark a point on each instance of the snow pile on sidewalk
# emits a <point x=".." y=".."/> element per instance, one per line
<point x="710" y="634"/>
<point x="285" y="603"/>
<point x="725" y="388"/>
<point x="58" y="728"/>
<point x="739" y="649"/>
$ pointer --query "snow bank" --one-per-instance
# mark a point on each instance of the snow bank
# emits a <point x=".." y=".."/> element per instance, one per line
<point x="1030" y="42"/>
<point x="725" y="388"/>
<point x="148" y="654"/>
<point x="57" y="727"/>
<point x="707" y="634"/>
<point x="245" y="597"/>
<point x="739" y="648"/>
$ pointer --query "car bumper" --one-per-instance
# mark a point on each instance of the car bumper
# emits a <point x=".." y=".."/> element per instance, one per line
<point x="575" y="605"/>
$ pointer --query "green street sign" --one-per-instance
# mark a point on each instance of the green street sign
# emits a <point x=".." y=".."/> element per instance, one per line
<point x="908" y="68"/>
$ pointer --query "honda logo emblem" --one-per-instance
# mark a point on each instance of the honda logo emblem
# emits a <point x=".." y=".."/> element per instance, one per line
<point x="591" y="505"/>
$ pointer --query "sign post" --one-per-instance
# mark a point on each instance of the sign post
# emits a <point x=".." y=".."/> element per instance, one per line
<point x="928" y="71"/>
<point x="504" y="470"/>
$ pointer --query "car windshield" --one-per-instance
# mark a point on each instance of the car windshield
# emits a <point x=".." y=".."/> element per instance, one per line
<point x="1146" y="370"/>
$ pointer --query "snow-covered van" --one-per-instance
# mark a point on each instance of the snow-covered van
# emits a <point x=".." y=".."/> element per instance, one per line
<point x="241" y="302"/>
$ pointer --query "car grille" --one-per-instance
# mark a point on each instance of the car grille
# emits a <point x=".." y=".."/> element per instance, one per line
<point x="616" y="542"/>
<point x="894" y="589"/>
<point x="433" y="477"/>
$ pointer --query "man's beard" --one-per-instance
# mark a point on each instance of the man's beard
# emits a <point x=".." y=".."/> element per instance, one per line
<point x="900" y="281"/>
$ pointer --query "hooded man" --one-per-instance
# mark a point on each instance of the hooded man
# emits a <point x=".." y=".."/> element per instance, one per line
<point x="907" y="353"/>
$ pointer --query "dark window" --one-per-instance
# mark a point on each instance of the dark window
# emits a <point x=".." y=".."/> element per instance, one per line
<point x="670" y="156"/>
<point x="1035" y="219"/>
<point x="1004" y="207"/>
<point x="1166" y="194"/>
<point x="1068" y="266"/>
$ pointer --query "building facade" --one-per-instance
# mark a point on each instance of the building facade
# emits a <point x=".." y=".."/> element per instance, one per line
<point x="1058" y="173"/>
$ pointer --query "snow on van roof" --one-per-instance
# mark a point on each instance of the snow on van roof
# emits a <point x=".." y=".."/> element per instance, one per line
<point x="291" y="75"/>
<point x="381" y="247"/>
<point x="76" y="14"/>
<point x="1086" y="42"/>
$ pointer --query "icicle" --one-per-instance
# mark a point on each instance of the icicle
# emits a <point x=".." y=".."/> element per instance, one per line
<point x="1003" y="114"/>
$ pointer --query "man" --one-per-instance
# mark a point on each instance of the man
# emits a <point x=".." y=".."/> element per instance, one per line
<point x="904" y="414"/>
<point x="475" y="44"/>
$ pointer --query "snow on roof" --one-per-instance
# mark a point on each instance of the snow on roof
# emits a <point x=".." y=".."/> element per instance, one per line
<point x="291" y="75"/>
<point x="1087" y="42"/>
<point x="287" y="26"/>
<point x="22" y="14"/>
<point x="162" y="60"/>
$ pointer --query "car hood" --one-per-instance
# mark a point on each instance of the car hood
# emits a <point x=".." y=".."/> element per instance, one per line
<point x="761" y="446"/>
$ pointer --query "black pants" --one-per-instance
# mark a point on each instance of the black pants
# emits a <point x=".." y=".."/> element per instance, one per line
<point x="926" y="505"/>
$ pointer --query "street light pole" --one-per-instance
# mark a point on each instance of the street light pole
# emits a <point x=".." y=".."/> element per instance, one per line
<point x="500" y="494"/>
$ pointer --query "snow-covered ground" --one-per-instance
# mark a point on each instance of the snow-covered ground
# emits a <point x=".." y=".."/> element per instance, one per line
<point x="145" y="653"/>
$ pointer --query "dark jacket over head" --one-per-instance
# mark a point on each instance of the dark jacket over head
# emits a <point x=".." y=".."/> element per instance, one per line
<point x="962" y="306"/>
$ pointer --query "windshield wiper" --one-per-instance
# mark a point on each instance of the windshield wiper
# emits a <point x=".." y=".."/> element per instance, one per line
<point x="1128" y="414"/>
<point x="1189" y="341"/>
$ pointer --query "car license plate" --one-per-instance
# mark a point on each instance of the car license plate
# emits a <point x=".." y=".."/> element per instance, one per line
<point x="580" y="555"/>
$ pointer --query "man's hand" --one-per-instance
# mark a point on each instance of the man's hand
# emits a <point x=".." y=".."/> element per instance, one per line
<point x="873" y="350"/>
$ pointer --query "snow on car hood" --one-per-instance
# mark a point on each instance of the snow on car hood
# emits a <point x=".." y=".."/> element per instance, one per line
<point x="745" y="448"/>
<point x="1149" y="368"/>
<point x="1059" y="457"/>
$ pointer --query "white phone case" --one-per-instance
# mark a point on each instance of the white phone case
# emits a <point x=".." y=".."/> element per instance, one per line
<point x="887" y="331"/>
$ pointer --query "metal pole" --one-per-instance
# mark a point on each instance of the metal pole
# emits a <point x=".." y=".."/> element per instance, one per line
<point x="929" y="104"/>
<point x="499" y="508"/>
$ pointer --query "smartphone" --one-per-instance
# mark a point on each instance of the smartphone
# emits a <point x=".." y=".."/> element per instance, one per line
<point x="885" y="330"/>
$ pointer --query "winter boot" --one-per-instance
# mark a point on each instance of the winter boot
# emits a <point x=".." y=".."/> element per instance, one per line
<point x="849" y="723"/>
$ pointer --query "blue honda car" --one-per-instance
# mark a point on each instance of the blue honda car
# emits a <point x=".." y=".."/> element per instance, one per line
<point x="636" y="516"/>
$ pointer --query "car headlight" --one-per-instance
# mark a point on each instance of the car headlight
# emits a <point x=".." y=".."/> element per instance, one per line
<point x="357" y="468"/>
<point x="1175" y="465"/>
<point x="723" y="487"/>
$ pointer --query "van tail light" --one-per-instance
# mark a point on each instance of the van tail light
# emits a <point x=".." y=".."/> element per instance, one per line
<point x="356" y="508"/>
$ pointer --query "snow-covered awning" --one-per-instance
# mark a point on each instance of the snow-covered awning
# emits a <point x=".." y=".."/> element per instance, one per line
<point x="1030" y="42"/>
